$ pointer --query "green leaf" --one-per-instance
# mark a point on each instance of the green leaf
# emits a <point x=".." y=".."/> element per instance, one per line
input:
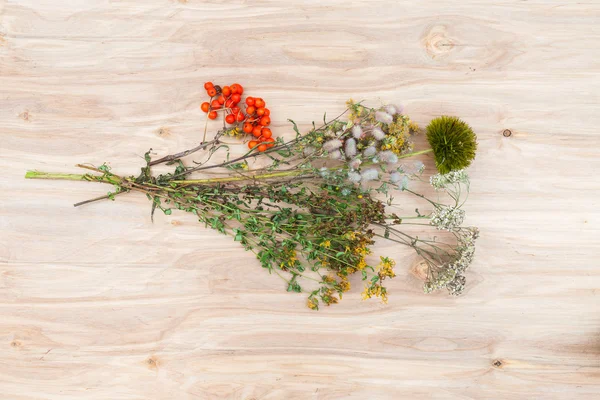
<point x="167" y="211"/>
<point x="293" y="286"/>
<point x="295" y="127"/>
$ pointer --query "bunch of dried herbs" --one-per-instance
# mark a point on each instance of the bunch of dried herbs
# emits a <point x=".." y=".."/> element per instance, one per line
<point x="313" y="210"/>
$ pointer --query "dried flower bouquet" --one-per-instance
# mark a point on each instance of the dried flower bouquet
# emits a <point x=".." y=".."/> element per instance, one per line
<point x="313" y="211"/>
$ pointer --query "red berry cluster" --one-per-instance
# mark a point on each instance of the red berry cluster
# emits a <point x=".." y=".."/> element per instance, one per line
<point x="255" y="118"/>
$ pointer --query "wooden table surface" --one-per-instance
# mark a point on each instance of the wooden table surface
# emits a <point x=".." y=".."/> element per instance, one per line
<point x="97" y="302"/>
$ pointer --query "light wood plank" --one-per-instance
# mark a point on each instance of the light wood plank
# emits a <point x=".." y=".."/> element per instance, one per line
<point x="98" y="302"/>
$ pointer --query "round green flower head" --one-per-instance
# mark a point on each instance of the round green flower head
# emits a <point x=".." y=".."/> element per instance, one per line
<point x="453" y="142"/>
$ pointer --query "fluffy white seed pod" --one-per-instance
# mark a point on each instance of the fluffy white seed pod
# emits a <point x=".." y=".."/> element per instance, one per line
<point x="332" y="144"/>
<point x="391" y="109"/>
<point x="378" y="134"/>
<point x="419" y="166"/>
<point x="357" y="131"/>
<point x="395" y="177"/>
<point x="370" y="151"/>
<point x="369" y="175"/>
<point x="404" y="183"/>
<point x="384" y="117"/>
<point x="335" y="155"/>
<point x="354" y="177"/>
<point x="355" y="163"/>
<point x="388" y="156"/>
<point x="350" y="147"/>
<point x="394" y="109"/>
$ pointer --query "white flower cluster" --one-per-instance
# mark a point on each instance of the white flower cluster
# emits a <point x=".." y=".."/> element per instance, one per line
<point x="456" y="285"/>
<point x="465" y="251"/>
<point x="451" y="275"/>
<point x="439" y="181"/>
<point x="442" y="279"/>
<point x="448" y="217"/>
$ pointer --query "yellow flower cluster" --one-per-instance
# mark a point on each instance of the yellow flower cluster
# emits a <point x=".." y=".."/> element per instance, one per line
<point x="312" y="304"/>
<point x="362" y="263"/>
<point x="396" y="139"/>
<point x="386" y="268"/>
<point x="234" y="132"/>
<point x="328" y="296"/>
<point x="344" y="285"/>
<point x="375" y="290"/>
<point x="360" y="248"/>
<point x="348" y="271"/>
<point x="351" y="235"/>
<point x="290" y="261"/>
<point x="356" y="111"/>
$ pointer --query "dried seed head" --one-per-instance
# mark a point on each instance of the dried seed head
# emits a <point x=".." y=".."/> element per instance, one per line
<point x="369" y="175"/>
<point x="395" y="177"/>
<point x="335" y="155"/>
<point x="357" y="131"/>
<point x="378" y="134"/>
<point x="453" y="142"/>
<point x="384" y="117"/>
<point x="388" y="156"/>
<point x="354" y="177"/>
<point x="350" y="147"/>
<point x="332" y="144"/>
<point x="370" y="151"/>
<point x="355" y="163"/>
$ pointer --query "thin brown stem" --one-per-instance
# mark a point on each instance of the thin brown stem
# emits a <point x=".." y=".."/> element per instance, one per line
<point x="107" y="196"/>
<point x="185" y="153"/>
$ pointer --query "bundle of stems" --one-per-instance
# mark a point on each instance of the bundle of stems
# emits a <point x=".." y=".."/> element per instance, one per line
<point x="314" y="208"/>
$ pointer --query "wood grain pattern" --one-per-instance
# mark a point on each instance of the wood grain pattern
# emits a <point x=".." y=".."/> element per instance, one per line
<point x="99" y="303"/>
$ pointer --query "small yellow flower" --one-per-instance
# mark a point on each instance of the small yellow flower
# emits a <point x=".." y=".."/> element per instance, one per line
<point x="326" y="244"/>
<point x="360" y="196"/>
<point x="413" y="126"/>
<point x="312" y="304"/>
<point x="375" y="290"/>
<point x="345" y="285"/>
<point x="386" y="267"/>
<point x="366" y="294"/>
<point x="361" y="264"/>
<point x="351" y="235"/>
